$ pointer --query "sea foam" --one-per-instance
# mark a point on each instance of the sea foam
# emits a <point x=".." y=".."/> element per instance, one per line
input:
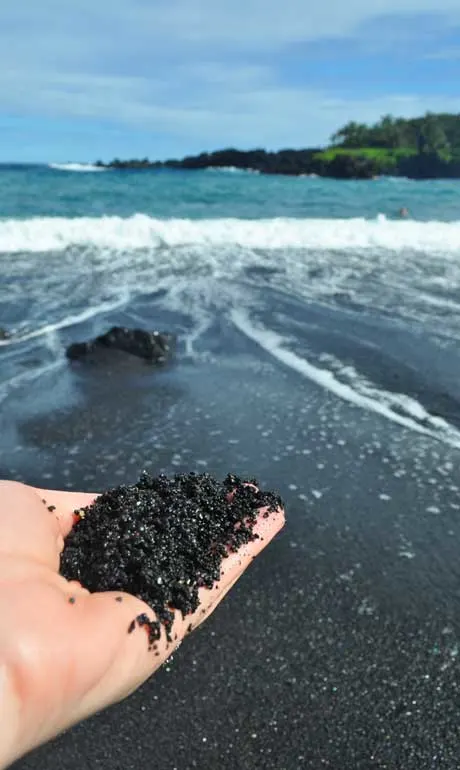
<point x="141" y="231"/>
<point x="75" y="167"/>
<point x="396" y="407"/>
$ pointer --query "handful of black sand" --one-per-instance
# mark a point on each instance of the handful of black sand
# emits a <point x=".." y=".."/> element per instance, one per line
<point x="162" y="539"/>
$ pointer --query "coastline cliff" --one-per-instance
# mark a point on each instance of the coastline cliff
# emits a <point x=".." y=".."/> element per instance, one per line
<point x="420" y="148"/>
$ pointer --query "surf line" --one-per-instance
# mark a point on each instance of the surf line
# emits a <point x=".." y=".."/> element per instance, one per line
<point x="271" y="342"/>
<point x="64" y="323"/>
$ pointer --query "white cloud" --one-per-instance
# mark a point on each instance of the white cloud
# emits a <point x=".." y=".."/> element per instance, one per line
<point x="53" y="27"/>
<point x="246" y="111"/>
<point x="199" y="69"/>
<point x="254" y="23"/>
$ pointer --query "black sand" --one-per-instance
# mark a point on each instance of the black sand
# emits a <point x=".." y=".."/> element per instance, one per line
<point x="340" y="647"/>
<point x="162" y="539"/>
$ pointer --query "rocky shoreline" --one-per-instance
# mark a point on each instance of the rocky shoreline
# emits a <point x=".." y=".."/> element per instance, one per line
<point x="308" y="162"/>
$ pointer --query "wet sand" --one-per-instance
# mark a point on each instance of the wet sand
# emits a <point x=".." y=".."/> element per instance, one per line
<point x="339" y="647"/>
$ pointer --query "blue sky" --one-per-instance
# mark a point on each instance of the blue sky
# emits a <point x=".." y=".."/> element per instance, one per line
<point x="95" y="79"/>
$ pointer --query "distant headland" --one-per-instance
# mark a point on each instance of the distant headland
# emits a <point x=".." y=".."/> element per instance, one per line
<point x="419" y="148"/>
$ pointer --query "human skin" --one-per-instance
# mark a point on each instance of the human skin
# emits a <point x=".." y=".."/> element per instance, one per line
<point x="65" y="653"/>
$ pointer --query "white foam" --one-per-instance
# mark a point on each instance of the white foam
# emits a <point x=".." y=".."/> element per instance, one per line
<point x="395" y="179"/>
<point x="18" y="380"/>
<point x="232" y="170"/>
<point x="49" y="330"/>
<point x="141" y="231"/>
<point x="374" y="400"/>
<point x="80" y="167"/>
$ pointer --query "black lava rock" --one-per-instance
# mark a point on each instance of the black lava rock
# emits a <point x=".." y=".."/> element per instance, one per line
<point x="156" y="347"/>
<point x="162" y="539"/>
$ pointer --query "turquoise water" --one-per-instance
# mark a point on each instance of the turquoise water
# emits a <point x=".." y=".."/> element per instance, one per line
<point x="206" y="254"/>
<point x="40" y="191"/>
<point x="73" y="244"/>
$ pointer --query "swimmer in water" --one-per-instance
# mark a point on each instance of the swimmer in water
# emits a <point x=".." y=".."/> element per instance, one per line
<point x="404" y="213"/>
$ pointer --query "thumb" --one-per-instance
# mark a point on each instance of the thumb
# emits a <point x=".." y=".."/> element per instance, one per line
<point x="115" y="638"/>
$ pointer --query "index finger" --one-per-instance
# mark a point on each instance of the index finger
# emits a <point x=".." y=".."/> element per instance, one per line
<point x="65" y="504"/>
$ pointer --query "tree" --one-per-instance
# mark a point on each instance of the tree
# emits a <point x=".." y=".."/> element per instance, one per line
<point x="432" y="136"/>
<point x="387" y="132"/>
<point x="432" y="133"/>
<point x="353" y="135"/>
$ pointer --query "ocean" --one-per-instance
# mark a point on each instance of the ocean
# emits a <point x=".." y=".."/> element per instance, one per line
<point x="318" y="350"/>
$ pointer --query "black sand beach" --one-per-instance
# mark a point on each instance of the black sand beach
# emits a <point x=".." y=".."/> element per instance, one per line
<point x="339" y="647"/>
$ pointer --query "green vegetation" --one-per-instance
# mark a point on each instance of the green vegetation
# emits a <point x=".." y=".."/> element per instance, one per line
<point x="384" y="160"/>
<point x="420" y="148"/>
<point x="430" y="134"/>
<point x="423" y="147"/>
<point x="377" y="153"/>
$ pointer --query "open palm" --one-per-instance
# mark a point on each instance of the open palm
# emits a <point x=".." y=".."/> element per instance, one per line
<point x="64" y="652"/>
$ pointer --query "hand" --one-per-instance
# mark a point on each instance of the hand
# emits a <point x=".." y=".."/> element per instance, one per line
<point x="65" y="653"/>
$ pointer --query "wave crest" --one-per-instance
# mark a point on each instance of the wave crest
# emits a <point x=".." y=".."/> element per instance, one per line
<point x="81" y="167"/>
<point x="140" y="231"/>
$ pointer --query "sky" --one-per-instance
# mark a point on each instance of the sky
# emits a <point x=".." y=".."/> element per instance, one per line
<point x="82" y="80"/>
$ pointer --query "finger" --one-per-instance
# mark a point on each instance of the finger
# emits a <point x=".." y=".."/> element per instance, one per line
<point x="64" y="504"/>
<point x="233" y="566"/>
<point x="27" y="528"/>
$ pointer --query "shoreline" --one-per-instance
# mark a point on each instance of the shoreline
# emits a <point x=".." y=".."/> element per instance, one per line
<point x="335" y="163"/>
<point x="128" y="166"/>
